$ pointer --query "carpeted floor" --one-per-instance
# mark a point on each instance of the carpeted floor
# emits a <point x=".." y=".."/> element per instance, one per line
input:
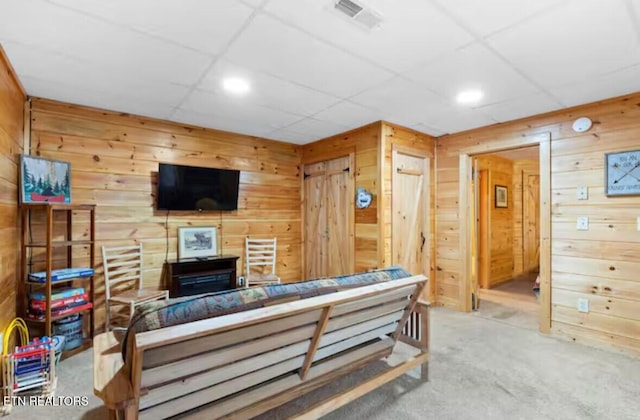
<point x="485" y="365"/>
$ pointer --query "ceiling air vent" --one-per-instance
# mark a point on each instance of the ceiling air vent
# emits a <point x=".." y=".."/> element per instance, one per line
<point x="359" y="13"/>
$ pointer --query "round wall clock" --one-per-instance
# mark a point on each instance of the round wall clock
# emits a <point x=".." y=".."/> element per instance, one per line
<point x="622" y="173"/>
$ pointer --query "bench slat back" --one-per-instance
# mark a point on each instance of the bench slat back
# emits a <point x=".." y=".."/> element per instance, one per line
<point x="221" y="366"/>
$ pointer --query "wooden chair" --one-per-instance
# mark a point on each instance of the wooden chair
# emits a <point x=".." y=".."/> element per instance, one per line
<point x="260" y="261"/>
<point x="123" y="281"/>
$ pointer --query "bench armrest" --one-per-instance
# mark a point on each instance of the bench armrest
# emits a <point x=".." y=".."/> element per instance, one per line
<point x="110" y="383"/>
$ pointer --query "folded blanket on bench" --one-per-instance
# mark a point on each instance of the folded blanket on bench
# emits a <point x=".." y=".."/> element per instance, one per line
<point x="160" y="314"/>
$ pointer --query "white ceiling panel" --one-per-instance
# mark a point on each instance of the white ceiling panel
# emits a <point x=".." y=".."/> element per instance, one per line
<point x="400" y="98"/>
<point x="103" y="44"/>
<point x="212" y="24"/>
<point x="235" y="125"/>
<point x="219" y="105"/>
<point x="315" y="128"/>
<point x="291" y="136"/>
<point x="287" y="53"/>
<point x="609" y="85"/>
<point x="269" y="91"/>
<point x="107" y="100"/>
<point x="472" y="67"/>
<point x="64" y="74"/>
<point x="581" y="39"/>
<point x="349" y="114"/>
<point x="451" y="119"/>
<point x="520" y="107"/>
<point x="489" y="16"/>
<point x="412" y="31"/>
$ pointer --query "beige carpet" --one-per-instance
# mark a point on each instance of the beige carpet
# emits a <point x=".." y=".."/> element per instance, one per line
<point x="484" y="366"/>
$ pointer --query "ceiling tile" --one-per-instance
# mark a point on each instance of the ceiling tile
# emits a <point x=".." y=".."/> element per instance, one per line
<point x="451" y="119"/>
<point x="412" y="31"/>
<point x="106" y="100"/>
<point x="269" y="46"/>
<point x="520" y="107"/>
<point x="316" y="128"/>
<point x="571" y="41"/>
<point x="602" y="87"/>
<point x="268" y="90"/>
<point x="66" y="73"/>
<point x="100" y="43"/>
<point x="218" y="105"/>
<point x="488" y="16"/>
<point x="349" y="114"/>
<point x="400" y="99"/>
<point x="472" y="67"/>
<point x="247" y="127"/>
<point x="211" y="24"/>
<point x="292" y="136"/>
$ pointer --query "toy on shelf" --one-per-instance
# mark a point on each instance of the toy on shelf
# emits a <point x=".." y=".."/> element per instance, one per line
<point x="31" y="366"/>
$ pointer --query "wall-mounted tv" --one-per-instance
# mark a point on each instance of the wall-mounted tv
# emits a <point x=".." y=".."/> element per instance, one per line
<point x="195" y="188"/>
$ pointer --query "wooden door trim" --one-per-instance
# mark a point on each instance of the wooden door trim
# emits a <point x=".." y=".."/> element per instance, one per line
<point x="426" y="184"/>
<point x="544" y="141"/>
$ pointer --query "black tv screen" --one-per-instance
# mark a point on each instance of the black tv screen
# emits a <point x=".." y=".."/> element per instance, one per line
<point x="195" y="188"/>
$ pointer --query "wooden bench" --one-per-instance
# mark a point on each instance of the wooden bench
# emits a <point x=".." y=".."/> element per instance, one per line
<point x="243" y="364"/>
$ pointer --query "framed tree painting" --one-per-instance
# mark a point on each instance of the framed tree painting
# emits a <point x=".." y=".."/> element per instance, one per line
<point x="44" y="180"/>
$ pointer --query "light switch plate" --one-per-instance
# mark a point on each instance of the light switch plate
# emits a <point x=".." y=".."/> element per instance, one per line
<point x="582" y="193"/>
<point x="582" y="223"/>
<point x="583" y="305"/>
<point x="638" y="223"/>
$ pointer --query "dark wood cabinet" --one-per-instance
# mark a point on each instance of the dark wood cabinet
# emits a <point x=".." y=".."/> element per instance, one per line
<point x="192" y="276"/>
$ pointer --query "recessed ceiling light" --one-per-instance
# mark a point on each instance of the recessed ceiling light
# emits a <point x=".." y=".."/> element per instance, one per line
<point x="467" y="97"/>
<point x="235" y="85"/>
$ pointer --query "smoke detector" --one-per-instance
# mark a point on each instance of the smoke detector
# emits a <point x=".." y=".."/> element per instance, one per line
<point x="359" y="13"/>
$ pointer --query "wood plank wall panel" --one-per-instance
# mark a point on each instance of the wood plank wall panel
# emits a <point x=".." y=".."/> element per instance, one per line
<point x="520" y="167"/>
<point x="396" y="135"/>
<point x="364" y="142"/>
<point x="12" y="102"/>
<point x="501" y="234"/>
<point x="588" y="263"/>
<point x="114" y="159"/>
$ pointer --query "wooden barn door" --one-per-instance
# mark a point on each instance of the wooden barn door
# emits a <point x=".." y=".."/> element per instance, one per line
<point x="328" y="218"/>
<point x="531" y="221"/>
<point x="410" y="234"/>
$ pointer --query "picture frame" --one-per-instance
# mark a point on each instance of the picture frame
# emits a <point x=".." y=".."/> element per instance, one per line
<point x="501" y="196"/>
<point x="197" y="242"/>
<point x="44" y="180"/>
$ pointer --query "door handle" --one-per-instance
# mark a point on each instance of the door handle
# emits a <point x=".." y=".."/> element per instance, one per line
<point x="423" y="240"/>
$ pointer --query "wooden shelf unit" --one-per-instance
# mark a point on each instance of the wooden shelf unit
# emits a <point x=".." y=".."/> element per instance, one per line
<point x="26" y="211"/>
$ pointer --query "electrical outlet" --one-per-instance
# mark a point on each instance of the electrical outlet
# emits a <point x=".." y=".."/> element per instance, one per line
<point x="582" y="223"/>
<point x="583" y="305"/>
<point x="638" y="223"/>
<point x="582" y="193"/>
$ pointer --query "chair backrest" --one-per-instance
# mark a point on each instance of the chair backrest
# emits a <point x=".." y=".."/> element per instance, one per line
<point x="122" y="268"/>
<point x="260" y="254"/>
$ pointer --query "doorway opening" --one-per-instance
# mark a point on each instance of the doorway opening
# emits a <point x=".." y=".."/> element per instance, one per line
<point x="505" y="237"/>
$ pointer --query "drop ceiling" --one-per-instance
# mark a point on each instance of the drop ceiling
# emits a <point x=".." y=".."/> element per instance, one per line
<point x="314" y="72"/>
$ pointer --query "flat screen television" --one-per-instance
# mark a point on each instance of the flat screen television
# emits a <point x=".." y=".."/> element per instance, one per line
<point x="194" y="188"/>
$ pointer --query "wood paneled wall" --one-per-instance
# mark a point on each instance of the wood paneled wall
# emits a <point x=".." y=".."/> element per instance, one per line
<point x="396" y="135"/>
<point x="364" y="143"/>
<point x="521" y="168"/>
<point x="114" y="159"/>
<point x="600" y="264"/>
<point x="500" y="223"/>
<point x="12" y="105"/>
